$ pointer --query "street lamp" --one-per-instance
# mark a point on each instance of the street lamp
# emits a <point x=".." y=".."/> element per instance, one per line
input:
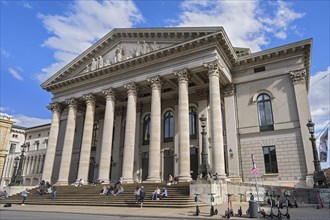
<point x="13" y="177"/>
<point x="319" y="177"/>
<point x="17" y="179"/>
<point x="204" y="167"/>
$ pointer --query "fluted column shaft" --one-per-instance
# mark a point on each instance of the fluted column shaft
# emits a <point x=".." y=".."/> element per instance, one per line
<point x="63" y="178"/>
<point x="155" y="131"/>
<point x="128" y="160"/>
<point x="52" y="142"/>
<point x="85" y="150"/>
<point x="184" y="137"/>
<point x="216" y="120"/>
<point x="105" y="155"/>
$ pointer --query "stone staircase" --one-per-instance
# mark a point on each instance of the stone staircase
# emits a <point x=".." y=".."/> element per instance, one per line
<point x="178" y="196"/>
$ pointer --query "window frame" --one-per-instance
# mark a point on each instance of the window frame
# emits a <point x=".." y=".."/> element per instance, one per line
<point x="168" y="117"/>
<point x="271" y="167"/>
<point x="265" y="101"/>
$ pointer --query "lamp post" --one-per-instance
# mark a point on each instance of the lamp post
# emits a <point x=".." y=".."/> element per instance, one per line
<point x="204" y="167"/>
<point x="17" y="179"/>
<point x="319" y="177"/>
<point x="13" y="177"/>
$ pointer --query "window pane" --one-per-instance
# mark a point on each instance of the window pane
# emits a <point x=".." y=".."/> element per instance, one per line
<point x="270" y="159"/>
<point x="268" y="112"/>
<point x="261" y="112"/>
<point x="171" y="127"/>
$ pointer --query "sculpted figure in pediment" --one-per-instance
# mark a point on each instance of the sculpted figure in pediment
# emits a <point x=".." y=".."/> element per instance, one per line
<point x="100" y="61"/>
<point x="146" y="47"/>
<point x="94" y="64"/>
<point x="139" y="49"/>
<point x="155" y="46"/>
<point x="119" y="53"/>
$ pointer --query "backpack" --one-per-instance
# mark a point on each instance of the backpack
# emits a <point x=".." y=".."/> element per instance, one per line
<point x="142" y="194"/>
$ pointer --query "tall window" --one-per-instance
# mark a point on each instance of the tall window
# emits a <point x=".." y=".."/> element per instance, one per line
<point x="94" y="136"/>
<point x="12" y="148"/>
<point x="168" y="126"/>
<point x="270" y="159"/>
<point x="146" y="129"/>
<point x="192" y="122"/>
<point x="265" y="112"/>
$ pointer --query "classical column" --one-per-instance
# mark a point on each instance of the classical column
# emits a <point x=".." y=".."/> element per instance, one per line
<point x="63" y="178"/>
<point x="218" y="159"/>
<point x="105" y="156"/>
<point x="298" y="78"/>
<point x="128" y="160"/>
<point x="100" y="120"/>
<point x="26" y="161"/>
<point x="85" y="150"/>
<point x="136" y="175"/>
<point x="184" y="136"/>
<point x="36" y="164"/>
<point x="231" y="131"/>
<point x="155" y="130"/>
<point x="52" y="141"/>
<point x="40" y="163"/>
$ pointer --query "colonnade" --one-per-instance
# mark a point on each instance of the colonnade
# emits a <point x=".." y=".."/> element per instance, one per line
<point x="154" y="172"/>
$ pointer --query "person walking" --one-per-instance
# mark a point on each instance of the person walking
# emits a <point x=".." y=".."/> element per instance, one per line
<point x="142" y="195"/>
<point x="54" y="191"/>
<point x="24" y="195"/>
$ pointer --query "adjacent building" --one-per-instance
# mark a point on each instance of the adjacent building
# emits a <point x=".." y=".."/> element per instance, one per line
<point x="129" y="106"/>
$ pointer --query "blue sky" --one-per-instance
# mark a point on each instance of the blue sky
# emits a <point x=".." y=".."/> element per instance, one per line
<point x="40" y="37"/>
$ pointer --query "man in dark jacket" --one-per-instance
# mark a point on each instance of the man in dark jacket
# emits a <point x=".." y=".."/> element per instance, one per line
<point x="142" y="195"/>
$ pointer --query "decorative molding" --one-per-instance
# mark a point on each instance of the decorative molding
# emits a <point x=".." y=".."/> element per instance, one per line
<point x="155" y="82"/>
<point x="109" y="94"/>
<point x="213" y="68"/>
<point x="131" y="88"/>
<point x="229" y="90"/>
<point x="298" y="76"/>
<point x="89" y="99"/>
<point x="183" y="76"/>
<point x="202" y="93"/>
<point x="55" y="107"/>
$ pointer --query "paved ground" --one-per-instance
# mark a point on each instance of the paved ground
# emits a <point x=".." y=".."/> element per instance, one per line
<point x="301" y="213"/>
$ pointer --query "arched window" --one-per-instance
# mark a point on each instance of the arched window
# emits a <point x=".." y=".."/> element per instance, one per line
<point x="265" y="112"/>
<point x="192" y="122"/>
<point x="168" y="126"/>
<point x="146" y="129"/>
<point x="94" y="136"/>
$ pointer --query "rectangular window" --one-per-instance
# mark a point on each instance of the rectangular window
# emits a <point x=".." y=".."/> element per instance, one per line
<point x="12" y="148"/>
<point x="270" y="159"/>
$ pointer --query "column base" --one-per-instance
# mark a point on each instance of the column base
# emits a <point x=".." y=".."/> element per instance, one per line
<point x="153" y="180"/>
<point x="62" y="183"/>
<point x="235" y="178"/>
<point x="184" y="179"/>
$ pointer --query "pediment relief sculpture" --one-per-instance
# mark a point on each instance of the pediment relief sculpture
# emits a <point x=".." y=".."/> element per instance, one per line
<point x="123" y="51"/>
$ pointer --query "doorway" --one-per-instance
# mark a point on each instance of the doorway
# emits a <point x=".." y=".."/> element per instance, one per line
<point x="145" y="165"/>
<point x="168" y="164"/>
<point x="194" y="162"/>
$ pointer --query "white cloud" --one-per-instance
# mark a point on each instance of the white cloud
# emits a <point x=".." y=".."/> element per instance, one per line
<point x="4" y="53"/>
<point x="84" y="23"/>
<point x="25" y="4"/>
<point x="4" y="109"/>
<point x="26" y="121"/>
<point x="15" y="73"/>
<point x="246" y="23"/>
<point x="319" y="99"/>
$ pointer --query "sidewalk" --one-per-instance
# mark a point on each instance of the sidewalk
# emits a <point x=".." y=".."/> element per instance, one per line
<point x="301" y="213"/>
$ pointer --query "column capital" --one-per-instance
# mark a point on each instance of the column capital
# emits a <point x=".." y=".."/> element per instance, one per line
<point x="90" y="98"/>
<point x="298" y="76"/>
<point x="109" y="94"/>
<point x="131" y="88"/>
<point x="72" y="102"/>
<point x="55" y="107"/>
<point x="182" y="75"/>
<point x="213" y="68"/>
<point x="155" y="82"/>
<point x="229" y="90"/>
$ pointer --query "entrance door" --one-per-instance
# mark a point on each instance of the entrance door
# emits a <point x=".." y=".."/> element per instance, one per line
<point x="194" y="162"/>
<point x="145" y="165"/>
<point x="168" y="164"/>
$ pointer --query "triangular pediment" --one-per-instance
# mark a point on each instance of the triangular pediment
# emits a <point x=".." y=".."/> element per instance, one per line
<point x="123" y="44"/>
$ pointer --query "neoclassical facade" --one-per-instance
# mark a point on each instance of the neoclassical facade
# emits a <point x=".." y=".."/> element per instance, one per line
<point x="129" y="106"/>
